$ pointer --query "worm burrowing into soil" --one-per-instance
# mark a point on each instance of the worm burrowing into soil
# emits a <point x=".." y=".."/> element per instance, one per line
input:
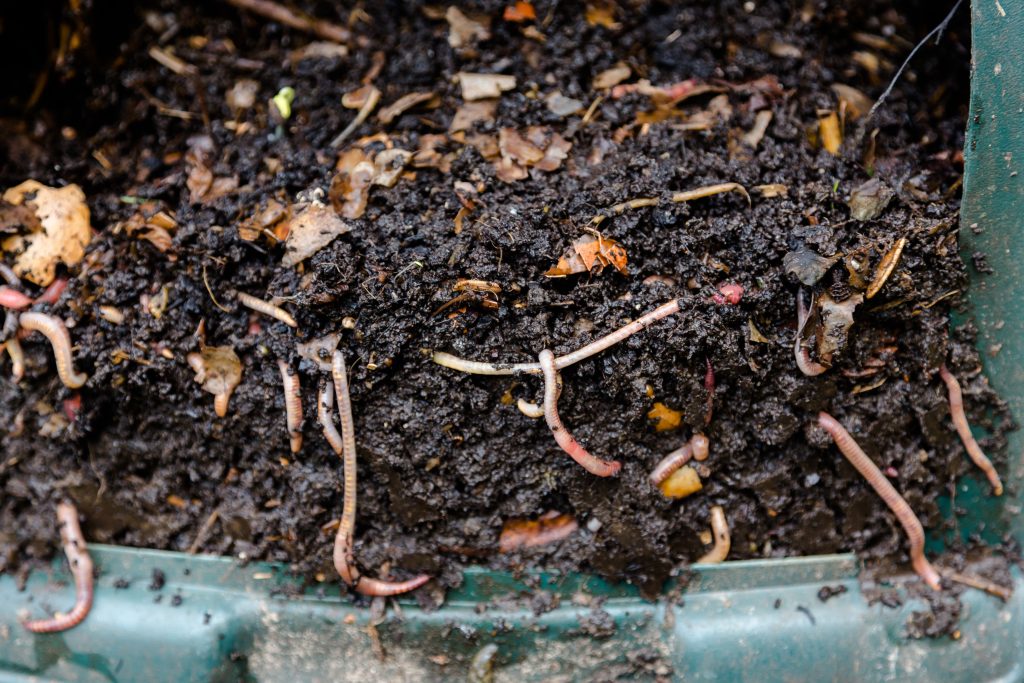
<point x="55" y="330"/>
<point x="81" y="569"/>
<point x="292" y="404"/>
<point x="343" y="541"/>
<point x="863" y="464"/>
<point x="552" y="382"/>
<point x="720" y="532"/>
<point x="956" y="409"/>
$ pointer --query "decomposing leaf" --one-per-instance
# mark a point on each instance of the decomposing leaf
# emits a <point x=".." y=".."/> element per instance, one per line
<point x="807" y="266"/>
<point x="403" y="104"/>
<point x="311" y="230"/>
<point x="665" y="418"/>
<point x="887" y="265"/>
<point x="464" y="31"/>
<point x="484" y="86"/>
<point x="242" y="95"/>
<point x="609" y="78"/>
<point x="590" y="253"/>
<point x="219" y="370"/>
<point x="602" y="13"/>
<point x="430" y="156"/>
<point x="318" y="50"/>
<point x="853" y="102"/>
<point x="667" y="95"/>
<point x="64" y="230"/>
<point x="869" y="199"/>
<point x="836" y="320"/>
<point x="473" y="112"/>
<point x="272" y="214"/>
<point x="350" y="187"/>
<point x="529" y="533"/>
<point x="681" y="483"/>
<point x="388" y="165"/>
<point x="755" y="334"/>
<point x="203" y="186"/>
<point x="829" y="133"/>
<point x="320" y="350"/>
<point x="150" y="223"/>
<point x="519" y="12"/>
<point x="560" y="105"/>
<point x="538" y="148"/>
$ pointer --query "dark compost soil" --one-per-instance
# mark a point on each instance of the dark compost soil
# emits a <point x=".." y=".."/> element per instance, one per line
<point x="446" y="458"/>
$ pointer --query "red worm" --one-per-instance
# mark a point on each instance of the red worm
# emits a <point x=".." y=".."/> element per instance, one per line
<point x="52" y="293"/>
<point x="596" y="466"/>
<point x="292" y="404"/>
<point x="803" y="356"/>
<point x="55" y="330"/>
<point x="81" y="569"/>
<point x="324" y="406"/>
<point x="12" y="298"/>
<point x="670" y="463"/>
<point x="956" y="409"/>
<point x="709" y="387"/>
<point x="343" y="541"/>
<point x="863" y="464"/>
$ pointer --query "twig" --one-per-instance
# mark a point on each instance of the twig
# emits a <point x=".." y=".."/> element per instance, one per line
<point x="204" y="531"/>
<point x="210" y="292"/>
<point x="283" y="15"/>
<point x="982" y="584"/>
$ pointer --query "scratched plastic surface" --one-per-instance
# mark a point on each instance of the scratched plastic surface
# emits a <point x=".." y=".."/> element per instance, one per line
<point x="215" y="620"/>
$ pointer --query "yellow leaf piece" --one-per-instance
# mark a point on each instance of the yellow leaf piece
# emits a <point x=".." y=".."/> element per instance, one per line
<point x="681" y="483"/>
<point x="64" y="217"/>
<point x="828" y="131"/>
<point x="665" y="418"/>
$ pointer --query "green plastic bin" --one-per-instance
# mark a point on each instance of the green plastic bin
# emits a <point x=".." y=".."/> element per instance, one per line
<point x="216" y="620"/>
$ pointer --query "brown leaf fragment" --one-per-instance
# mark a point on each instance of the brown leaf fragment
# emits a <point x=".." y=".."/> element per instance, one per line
<point x="560" y="105"/>
<point x="430" y="156"/>
<point x="869" y="199"/>
<point x="403" y="104"/>
<point x="829" y="133"/>
<point x="476" y="86"/>
<point x="590" y="253"/>
<point x="602" y="13"/>
<point x="219" y="370"/>
<point x="887" y="265"/>
<point x="311" y="230"/>
<point x="609" y="78"/>
<point x="388" y="165"/>
<point x="63" y="217"/>
<point x="529" y="533"/>
<point x="350" y="187"/>
<point x="265" y="218"/>
<point x="517" y="148"/>
<point x="473" y="112"/>
<point x="856" y="103"/>
<point x="152" y="224"/>
<point x="464" y="31"/>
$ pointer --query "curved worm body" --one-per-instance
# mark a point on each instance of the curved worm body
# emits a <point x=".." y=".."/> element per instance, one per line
<point x="670" y="463"/>
<point x="13" y="299"/>
<point x="324" y="406"/>
<point x="700" y="445"/>
<point x="863" y="464"/>
<point x="81" y="569"/>
<point x="51" y="294"/>
<point x="956" y="409"/>
<point x="480" y="368"/>
<point x="530" y="410"/>
<point x="13" y="347"/>
<point x="292" y="404"/>
<point x="343" y="541"/>
<point x="803" y="356"/>
<point x="266" y="308"/>
<point x="720" y="532"/>
<point x="596" y="466"/>
<point x="55" y="330"/>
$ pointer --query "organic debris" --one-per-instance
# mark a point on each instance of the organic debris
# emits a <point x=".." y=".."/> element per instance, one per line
<point x="869" y="199"/>
<point x="538" y="148"/>
<point x="484" y="86"/>
<point x="312" y="229"/>
<point x="219" y="370"/>
<point x="885" y="268"/>
<point x="590" y="253"/>
<point x="363" y="99"/>
<point x="465" y="31"/>
<point x="830" y="135"/>
<point x="664" y="418"/>
<point x="552" y="527"/>
<point x="609" y="78"/>
<point x="402" y="105"/>
<point x="807" y="266"/>
<point x="64" y="230"/>
<point x="519" y="12"/>
<point x="683" y="482"/>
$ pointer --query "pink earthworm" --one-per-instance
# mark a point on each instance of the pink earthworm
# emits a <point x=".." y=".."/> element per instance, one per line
<point x="292" y="404"/>
<point x="720" y="532"/>
<point x="51" y="294"/>
<point x="54" y="329"/>
<point x="803" y="356"/>
<point x="266" y="308"/>
<point x="81" y="569"/>
<point x="596" y="466"/>
<point x="911" y="524"/>
<point x="324" y="407"/>
<point x="729" y="293"/>
<point x="670" y="463"/>
<point x="562" y="362"/>
<point x="956" y="409"/>
<point x="709" y="387"/>
<point x="343" y="541"/>
<point x="13" y="347"/>
<point x="700" y="445"/>
<point x="12" y="298"/>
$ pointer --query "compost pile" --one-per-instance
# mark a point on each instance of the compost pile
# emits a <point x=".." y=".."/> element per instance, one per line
<point x="424" y="178"/>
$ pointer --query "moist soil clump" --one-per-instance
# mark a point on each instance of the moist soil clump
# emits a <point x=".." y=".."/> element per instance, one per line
<point x="445" y="459"/>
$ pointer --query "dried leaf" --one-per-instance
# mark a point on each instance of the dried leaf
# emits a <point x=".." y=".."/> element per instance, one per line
<point x="857" y="103"/>
<point x="602" y="13"/>
<point x="517" y="148"/>
<point x="836" y="320"/>
<point x="869" y="199"/>
<point x="560" y="105"/>
<point x="807" y="266"/>
<point x="428" y="156"/>
<point x="755" y="334"/>
<point x="403" y="104"/>
<point x="388" y="165"/>
<point x="529" y="533"/>
<point x="665" y="418"/>
<point x="350" y="187"/>
<point x="265" y="218"/>
<point x="218" y="369"/>
<point x="885" y="268"/>
<point x="589" y="253"/>
<point x="204" y="187"/>
<point x="310" y="231"/>
<point x="473" y="112"/>
<point x="465" y="31"/>
<point x="484" y="86"/>
<point x="519" y="12"/>
<point x="829" y="133"/>
<point x="609" y="78"/>
<point x="321" y="350"/>
<point x="151" y="224"/>
<point x="318" y="50"/>
<point x="63" y="217"/>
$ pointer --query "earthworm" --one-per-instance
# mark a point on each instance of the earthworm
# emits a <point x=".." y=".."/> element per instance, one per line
<point x="700" y="445"/>
<point x="596" y="466"/>
<point x="670" y="463"/>
<point x="729" y="293"/>
<point x="803" y="356"/>
<point x="956" y="409"/>
<point x="863" y="464"/>
<point x="266" y="308"/>
<point x="81" y="569"/>
<point x="13" y="347"/>
<point x="9" y="276"/>
<point x="531" y="410"/>
<point x="720" y="531"/>
<point x="54" y="329"/>
<point x="709" y="387"/>
<point x="324" y="405"/>
<point x="343" y="560"/>
<point x="52" y="293"/>
<point x="479" y="368"/>
<point x="12" y="298"/>
<point x="292" y="404"/>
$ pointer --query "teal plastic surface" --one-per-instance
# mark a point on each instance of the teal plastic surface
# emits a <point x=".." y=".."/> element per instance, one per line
<point x="216" y="620"/>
